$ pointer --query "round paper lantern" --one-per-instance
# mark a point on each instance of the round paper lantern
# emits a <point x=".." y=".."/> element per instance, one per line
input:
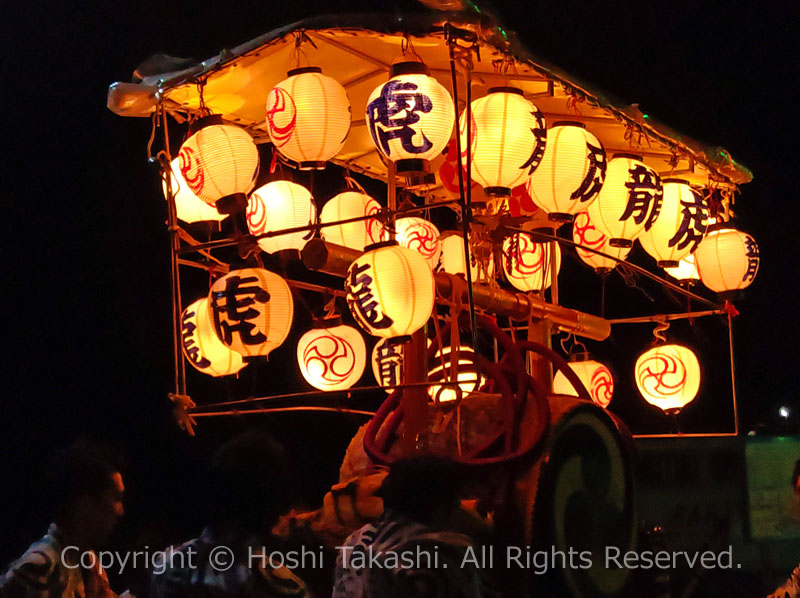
<point x="308" y="117"/>
<point x="252" y="310"/>
<point x="410" y="117"/>
<point x="571" y="173"/>
<point x="628" y="202"/>
<point x="219" y="163"/>
<point x="596" y="377"/>
<point x="685" y="270"/>
<point x="727" y="259"/>
<point x="527" y="263"/>
<point x="387" y="363"/>
<point x="280" y="205"/>
<point x="586" y="234"/>
<point x="453" y="260"/>
<point x="332" y="357"/>
<point x="355" y="235"/>
<point x="679" y="226"/>
<point x="201" y="347"/>
<point x="668" y="376"/>
<point x="390" y="291"/>
<point x="467" y="376"/>
<point x="421" y="236"/>
<point x="189" y="207"/>
<point x="508" y="139"/>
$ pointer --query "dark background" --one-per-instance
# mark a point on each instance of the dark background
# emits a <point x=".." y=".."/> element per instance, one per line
<point x="87" y="331"/>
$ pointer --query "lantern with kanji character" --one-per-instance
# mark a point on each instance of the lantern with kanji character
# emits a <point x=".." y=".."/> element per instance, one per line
<point x="201" y="347"/>
<point x="252" y="310"/>
<point x="308" y="117"/>
<point x="387" y="363"/>
<point x="668" y="376"/>
<point x="188" y="206"/>
<point x="571" y="173"/>
<point x="628" y="202"/>
<point x="390" y="291"/>
<point x="420" y="235"/>
<point x="453" y="259"/>
<point x="467" y="377"/>
<point x="528" y="264"/>
<point x="281" y="205"/>
<point x="586" y="234"/>
<point x="727" y="259"/>
<point x="355" y="235"/>
<point x="596" y="377"/>
<point x="331" y="355"/>
<point x="685" y="270"/>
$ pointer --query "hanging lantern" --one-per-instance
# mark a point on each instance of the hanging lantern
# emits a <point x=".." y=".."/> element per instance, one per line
<point x="420" y="235"/>
<point x="410" y="117"/>
<point x="219" y="164"/>
<point x="508" y="139"/>
<point x="188" y="206"/>
<point x="453" y="259"/>
<point x="586" y="234"/>
<point x="668" y="376"/>
<point x="679" y="226"/>
<point x="390" y="291"/>
<point x="685" y="270"/>
<point x="355" y="235"/>
<point x="332" y="356"/>
<point x="527" y="264"/>
<point x="727" y="259"/>
<point x="467" y="376"/>
<point x="629" y="201"/>
<point x="201" y="347"/>
<point x="252" y="310"/>
<point x="596" y="377"/>
<point x="571" y="173"/>
<point x="277" y="206"/>
<point x="387" y="363"/>
<point x="308" y="117"/>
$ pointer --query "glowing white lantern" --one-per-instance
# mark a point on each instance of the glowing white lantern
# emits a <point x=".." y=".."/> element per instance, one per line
<point x="668" y="376"/>
<point x="508" y="139"/>
<point x="219" y="163"/>
<point x="571" y="173"/>
<point x="410" y="117"/>
<point x="420" y="235"/>
<point x="390" y="291"/>
<point x="280" y="205"/>
<point x="629" y="201"/>
<point x="685" y="270"/>
<point x="527" y="264"/>
<point x="467" y="375"/>
<point x="201" y="346"/>
<point x="252" y="310"/>
<point x="596" y="377"/>
<point x="586" y="234"/>
<point x="387" y="363"/>
<point x="308" y="117"/>
<point x="355" y="235"/>
<point x="332" y="357"/>
<point x="679" y="226"/>
<point x="189" y="207"/>
<point x="727" y="260"/>
<point x="453" y="260"/>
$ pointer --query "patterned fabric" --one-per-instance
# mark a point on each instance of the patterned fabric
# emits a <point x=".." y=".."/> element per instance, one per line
<point x="41" y="573"/>
<point x="791" y="588"/>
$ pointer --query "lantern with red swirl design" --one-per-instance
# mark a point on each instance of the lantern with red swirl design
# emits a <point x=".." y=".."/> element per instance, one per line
<point x="420" y="235"/>
<point x="596" y="377"/>
<point x="668" y="376"/>
<point x="453" y="259"/>
<point x="281" y="205"/>
<point x="188" y="206"/>
<point x="201" y="347"/>
<point x="528" y="264"/>
<point x="355" y="235"/>
<point x="586" y="234"/>
<point x="332" y="356"/>
<point x="727" y="259"/>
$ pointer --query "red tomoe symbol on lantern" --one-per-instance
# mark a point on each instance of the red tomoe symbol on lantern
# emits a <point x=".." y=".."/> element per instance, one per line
<point x="191" y="170"/>
<point x="662" y="374"/>
<point x="256" y="215"/>
<point x="602" y="386"/>
<point x="373" y="225"/>
<point x="527" y="258"/>
<point x="281" y="109"/>
<point x="422" y="238"/>
<point x="585" y="232"/>
<point x="332" y="358"/>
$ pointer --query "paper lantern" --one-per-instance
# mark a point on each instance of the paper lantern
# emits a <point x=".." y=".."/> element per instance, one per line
<point x="308" y="117"/>
<point x="508" y="139"/>
<point x="420" y="235"/>
<point x="332" y="357"/>
<point x="668" y="376"/>
<point x="629" y="201"/>
<point x="201" y="347"/>
<point x="527" y="264"/>
<point x="727" y="259"/>
<point x="586" y="234"/>
<point x="188" y="206"/>
<point x="596" y="377"/>
<point x="387" y="363"/>
<point x="252" y="310"/>
<point x="679" y="226"/>
<point x="685" y="270"/>
<point x="410" y="117"/>
<point x="571" y="173"/>
<point x="280" y="205"/>
<point x="390" y="291"/>
<point x="219" y="163"/>
<point x="355" y="235"/>
<point x="468" y="378"/>
<point x="453" y="260"/>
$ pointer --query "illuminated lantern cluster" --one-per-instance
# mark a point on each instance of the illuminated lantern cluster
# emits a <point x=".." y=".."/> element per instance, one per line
<point x="727" y="259"/>
<point x="571" y="173"/>
<point x="387" y="363"/>
<point x="355" y="235"/>
<point x="277" y="206"/>
<point x="527" y="264"/>
<point x="308" y="117"/>
<point x="420" y="235"/>
<point x="685" y="270"/>
<point x="668" y="376"/>
<point x="453" y="260"/>
<point x="629" y="201"/>
<point x="586" y="234"/>
<point x="410" y="117"/>
<point x="332" y="357"/>
<point x="508" y="139"/>
<point x="201" y="347"/>
<point x="596" y="377"/>
<point x="252" y="310"/>
<point x="467" y="376"/>
<point x="188" y="206"/>
<point x="390" y="291"/>
<point x="219" y="163"/>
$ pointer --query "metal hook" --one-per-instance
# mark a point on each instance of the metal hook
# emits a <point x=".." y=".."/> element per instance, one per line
<point x="660" y="329"/>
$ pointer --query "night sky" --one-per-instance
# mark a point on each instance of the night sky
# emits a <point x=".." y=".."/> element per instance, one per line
<point x="88" y="329"/>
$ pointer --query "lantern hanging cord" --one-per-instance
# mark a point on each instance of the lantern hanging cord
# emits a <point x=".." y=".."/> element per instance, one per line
<point x="660" y="329"/>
